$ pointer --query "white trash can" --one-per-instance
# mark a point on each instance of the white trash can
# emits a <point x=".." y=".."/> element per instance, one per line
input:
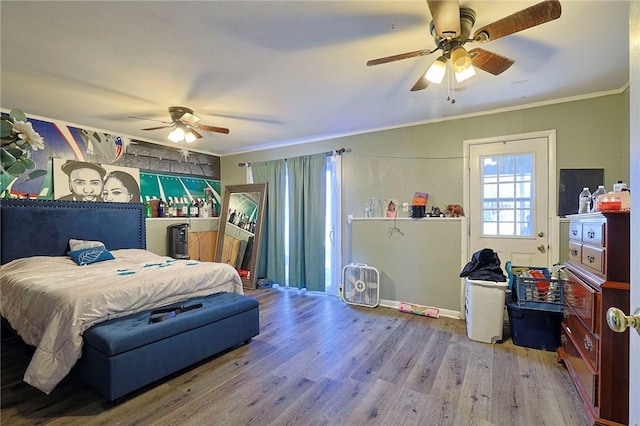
<point x="484" y="309"/>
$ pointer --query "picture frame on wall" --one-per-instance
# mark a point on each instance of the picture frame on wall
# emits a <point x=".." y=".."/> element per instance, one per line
<point x="390" y="207"/>
<point x="75" y="180"/>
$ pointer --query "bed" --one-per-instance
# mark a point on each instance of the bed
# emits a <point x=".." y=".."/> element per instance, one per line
<point x="51" y="301"/>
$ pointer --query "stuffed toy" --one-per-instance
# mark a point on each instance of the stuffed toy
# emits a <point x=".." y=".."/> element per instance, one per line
<point x="455" y="210"/>
<point x="435" y="212"/>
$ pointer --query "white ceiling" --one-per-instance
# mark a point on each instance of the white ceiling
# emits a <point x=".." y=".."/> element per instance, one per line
<point x="278" y="73"/>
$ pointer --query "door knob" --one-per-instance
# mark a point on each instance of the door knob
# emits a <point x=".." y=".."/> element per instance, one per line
<point x="619" y="322"/>
<point x="541" y="248"/>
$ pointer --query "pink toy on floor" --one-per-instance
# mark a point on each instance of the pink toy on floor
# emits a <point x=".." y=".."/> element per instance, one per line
<point x="419" y="310"/>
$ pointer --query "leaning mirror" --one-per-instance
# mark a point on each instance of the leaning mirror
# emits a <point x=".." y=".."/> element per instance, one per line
<point x="239" y="231"/>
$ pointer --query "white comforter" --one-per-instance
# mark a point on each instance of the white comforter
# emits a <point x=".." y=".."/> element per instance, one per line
<point x="51" y="301"/>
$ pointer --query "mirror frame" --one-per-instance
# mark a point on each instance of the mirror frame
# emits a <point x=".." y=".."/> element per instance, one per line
<point x="260" y="188"/>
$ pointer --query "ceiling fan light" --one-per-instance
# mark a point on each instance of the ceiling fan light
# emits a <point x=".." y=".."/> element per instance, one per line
<point x="190" y="137"/>
<point x="465" y="74"/>
<point x="437" y="70"/>
<point x="460" y="59"/>
<point x="177" y="135"/>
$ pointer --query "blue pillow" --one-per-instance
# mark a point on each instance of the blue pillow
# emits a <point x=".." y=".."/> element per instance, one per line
<point x="90" y="255"/>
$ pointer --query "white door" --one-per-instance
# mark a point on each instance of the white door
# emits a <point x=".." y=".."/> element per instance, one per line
<point x="508" y="199"/>
<point x="634" y="338"/>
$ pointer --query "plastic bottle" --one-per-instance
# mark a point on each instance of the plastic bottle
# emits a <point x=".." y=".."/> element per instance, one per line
<point x="618" y="187"/>
<point x="584" y="201"/>
<point x="170" y="209"/>
<point x="147" y="209"/>
<point x="594" y="197"/>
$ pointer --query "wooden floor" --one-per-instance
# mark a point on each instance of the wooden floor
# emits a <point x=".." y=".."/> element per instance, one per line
<point x="320" y="361"/>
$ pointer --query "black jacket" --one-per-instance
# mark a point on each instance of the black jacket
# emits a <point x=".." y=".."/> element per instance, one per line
<point x="484" y="266"/>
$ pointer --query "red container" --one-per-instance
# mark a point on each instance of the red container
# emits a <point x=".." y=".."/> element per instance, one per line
<point x="609" y="203"/>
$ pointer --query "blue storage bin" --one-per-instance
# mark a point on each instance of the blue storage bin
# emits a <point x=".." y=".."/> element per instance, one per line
<point x="534" y="328"/>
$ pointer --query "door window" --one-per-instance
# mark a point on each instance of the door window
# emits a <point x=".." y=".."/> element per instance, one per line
<point x="507" y="195"/>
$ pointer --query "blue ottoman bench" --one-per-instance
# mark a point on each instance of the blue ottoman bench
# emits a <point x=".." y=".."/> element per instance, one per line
<point x="128" y="353"/>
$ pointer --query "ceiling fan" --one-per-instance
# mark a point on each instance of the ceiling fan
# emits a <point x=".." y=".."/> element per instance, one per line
<point x="185" y="125"/>
<point x="451" y="30"/>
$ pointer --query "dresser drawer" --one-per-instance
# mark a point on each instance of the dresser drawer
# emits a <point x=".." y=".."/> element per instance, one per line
<point x="575" y="252"/>
<point x="575" y="231"/>
<point x="586" y="377"/>
<point x="584" y="301"/>
<point x="593" y="257"/>
<point x="587" y="343"/>
<point x="593" y="233"/>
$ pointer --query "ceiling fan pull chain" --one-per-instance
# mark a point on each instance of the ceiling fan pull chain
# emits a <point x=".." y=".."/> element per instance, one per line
<point x="450" y="84"/>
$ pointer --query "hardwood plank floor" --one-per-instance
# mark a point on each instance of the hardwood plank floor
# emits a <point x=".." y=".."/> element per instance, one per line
<point x="319" y="361"/>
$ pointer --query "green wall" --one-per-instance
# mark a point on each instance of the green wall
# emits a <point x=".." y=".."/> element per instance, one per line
<point x="591" y="133"/>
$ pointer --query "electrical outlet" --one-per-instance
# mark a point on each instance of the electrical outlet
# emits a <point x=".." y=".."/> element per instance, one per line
<point x="405" y="207"/>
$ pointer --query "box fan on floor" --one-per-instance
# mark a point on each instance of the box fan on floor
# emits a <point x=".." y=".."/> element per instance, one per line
<point x="360" y="285"/>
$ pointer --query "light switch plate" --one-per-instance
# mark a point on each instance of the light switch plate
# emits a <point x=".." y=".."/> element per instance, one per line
<point x="405" y="207"/>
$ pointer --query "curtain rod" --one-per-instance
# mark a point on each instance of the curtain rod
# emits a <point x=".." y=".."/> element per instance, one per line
<point x="335" y="151"/>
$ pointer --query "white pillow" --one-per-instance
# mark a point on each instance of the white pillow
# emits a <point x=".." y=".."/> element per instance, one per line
<point x="83" y="244"/>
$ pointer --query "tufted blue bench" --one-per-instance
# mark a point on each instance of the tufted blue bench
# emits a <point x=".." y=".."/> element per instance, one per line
<point x="125" y="354"/>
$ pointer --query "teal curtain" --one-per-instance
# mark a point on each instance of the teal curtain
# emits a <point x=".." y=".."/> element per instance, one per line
<point x="307" y="205"/>
<point x="271" y="257"/>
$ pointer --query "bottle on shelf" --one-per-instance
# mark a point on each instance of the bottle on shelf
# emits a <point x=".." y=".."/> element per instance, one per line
<point x="232" y="217"/>
<point x="206" y="209"/>
<point x="177" y="208"/>
<point x="147" y="209"/>
<point x="594" y="197"/>
<point x="185" y="207"/>
<point x="193" y="212"/>
<point x="584" y="199"/>
<point x="161" y="208"/>
<point x="619" y="186"/>
<point x="170" y="209"/>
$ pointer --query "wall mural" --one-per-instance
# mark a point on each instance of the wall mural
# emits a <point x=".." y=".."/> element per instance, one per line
<point x="85" y="181"/>
<point x="172" y="188"/>
<point x="61" y="141"/>
<point x="111" y="153"/>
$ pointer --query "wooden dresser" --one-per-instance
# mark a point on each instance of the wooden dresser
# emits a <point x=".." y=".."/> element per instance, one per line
<point x="597" y="279"/>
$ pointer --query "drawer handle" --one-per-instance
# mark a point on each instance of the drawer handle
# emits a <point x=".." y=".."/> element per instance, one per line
<point x="591" y="259"/>
<point x="574" y="232"/>
<point x="574" y="252"/>
<point x="591" y="234"/>
<point x="588" y="345"/>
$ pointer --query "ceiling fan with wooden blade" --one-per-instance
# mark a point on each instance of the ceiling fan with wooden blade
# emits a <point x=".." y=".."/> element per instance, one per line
<point x="185" y="124"/>
<point x="451" y="30"/>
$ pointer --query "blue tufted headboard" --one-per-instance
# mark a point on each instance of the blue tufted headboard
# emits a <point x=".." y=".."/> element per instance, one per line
<point x="44" y="227"/>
